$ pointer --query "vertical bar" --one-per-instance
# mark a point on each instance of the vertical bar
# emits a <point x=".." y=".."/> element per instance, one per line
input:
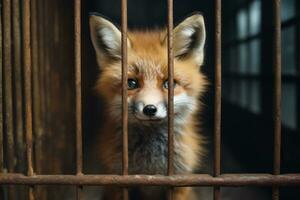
<point x="170" y="96"/>
<point x="170" y="90"/>
<point x="124" y="95"/>
<point x="28" y="89"/>
<point x="77" y="29"/>
<point x="218" y="82"/>
<point x="277" y="94"/>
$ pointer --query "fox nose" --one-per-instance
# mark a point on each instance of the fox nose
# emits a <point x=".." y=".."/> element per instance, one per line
<point x="150" y="110"/>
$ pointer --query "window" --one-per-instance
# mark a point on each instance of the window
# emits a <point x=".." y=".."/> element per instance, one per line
<point x="289" y="66"/>
<point x="242" y="62"/>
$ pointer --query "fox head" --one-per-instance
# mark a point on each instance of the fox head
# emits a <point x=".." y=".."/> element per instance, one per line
<point x="148" y="69"/>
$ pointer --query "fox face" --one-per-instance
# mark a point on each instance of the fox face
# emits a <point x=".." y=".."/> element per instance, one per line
<point x="148" y="69"/>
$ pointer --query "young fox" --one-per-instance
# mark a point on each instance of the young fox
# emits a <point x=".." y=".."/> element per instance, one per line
<point x="147" y="100"/>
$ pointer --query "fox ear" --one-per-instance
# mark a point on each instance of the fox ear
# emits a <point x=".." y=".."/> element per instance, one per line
<point x="106" y="38"/>
<point x="189" y="38"/>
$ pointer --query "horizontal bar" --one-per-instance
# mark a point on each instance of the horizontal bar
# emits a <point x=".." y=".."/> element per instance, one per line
<point x="232" y="180"/>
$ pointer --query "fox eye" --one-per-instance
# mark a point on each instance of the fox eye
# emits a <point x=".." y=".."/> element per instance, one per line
<point x="166" y="84"/>
<point x="132" y="84"/>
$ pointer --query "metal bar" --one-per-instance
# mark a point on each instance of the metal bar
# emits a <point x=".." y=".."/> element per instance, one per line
<point x="277" y="94"/>
<point x="77" y="41"/>
<point x="232" y="180"/>
<point x="170" y="90"/>
<point x="170" y="97"/>
<point x="124" y="95"/>
<point x="78" y="85"/>
<point x="28" y="89"/>
<point x="218" y="82"/>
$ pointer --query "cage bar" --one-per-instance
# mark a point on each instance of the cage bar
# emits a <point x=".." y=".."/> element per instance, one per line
<point x="180" y="180"/>
<point x="124" y="94"/>
<point x="28" y="89"/>
<point x="170" y="90"/>
<point x="277" y="94"/>
<point x="77" y="31"/>
<point x="170" y="96"/>
<point x="217" y="103"/>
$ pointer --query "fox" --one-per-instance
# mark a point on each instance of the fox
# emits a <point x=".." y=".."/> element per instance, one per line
<point x="147" y="88"/>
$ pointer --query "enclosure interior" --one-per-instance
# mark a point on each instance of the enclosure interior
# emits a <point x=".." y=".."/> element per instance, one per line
<point x="247" y="92"/>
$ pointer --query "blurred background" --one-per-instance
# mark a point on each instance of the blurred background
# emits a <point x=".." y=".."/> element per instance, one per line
<point x="247" y="90"/>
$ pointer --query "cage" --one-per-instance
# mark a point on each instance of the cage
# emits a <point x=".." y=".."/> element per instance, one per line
<point x="50" y="113"/>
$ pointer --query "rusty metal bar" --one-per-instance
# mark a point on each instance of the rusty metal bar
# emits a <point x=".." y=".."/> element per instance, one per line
<point x="218" y="90"/>
<point x="77" y="26"/>
<point x="277" y="94"/>
<point x="170" y="90"/>
<point x="170" y="96"/>
<point x="124" y="95"/>
<point x="28" y="89"/>
<point x="230" y="180"/>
